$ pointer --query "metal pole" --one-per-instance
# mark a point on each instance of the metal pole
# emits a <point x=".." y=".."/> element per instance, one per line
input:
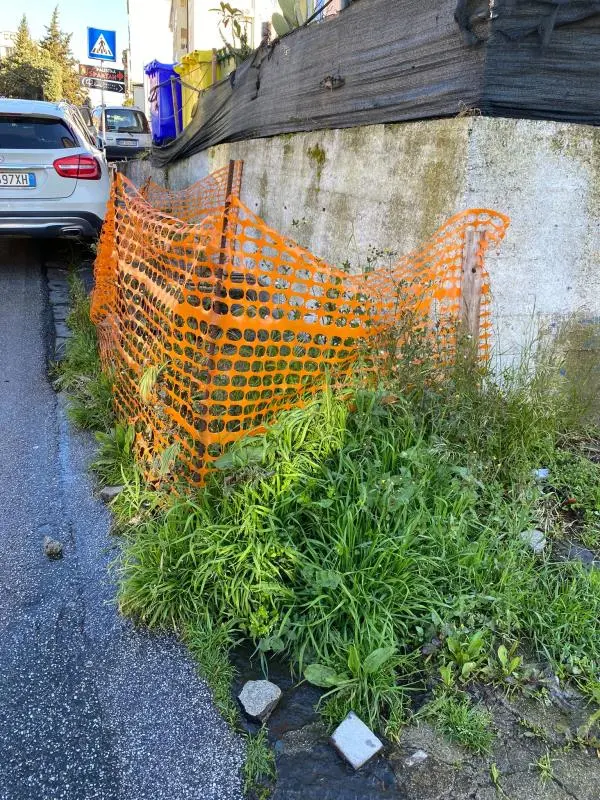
<point x="102" y="124"/>
<point x="175" y="106"/>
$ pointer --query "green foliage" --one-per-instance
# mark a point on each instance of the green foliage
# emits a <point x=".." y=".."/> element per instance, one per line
<point x="115" y="459"/>
<point x="28" y="72"/>
<point x="365" y="684"/>
<point x="56" y="47"/>
<point x="210" y="644"/>
<point x="294" y="13"/>
<point x="259" y="768"/>
<point x="545" y="767"/>
<point x="44" y="70"/>
<point x="455" y="716"/>
<point x="467" y="653"/>
<point x="350" y="539"/>
<point x="80" y="374"/>
<point x="234" y="24"/>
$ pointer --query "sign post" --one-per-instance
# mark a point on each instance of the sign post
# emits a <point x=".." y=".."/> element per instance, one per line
<point x="102" y="46"/>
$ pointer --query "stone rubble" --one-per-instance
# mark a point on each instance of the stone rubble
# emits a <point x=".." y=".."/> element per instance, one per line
<point x="259" y="699"/>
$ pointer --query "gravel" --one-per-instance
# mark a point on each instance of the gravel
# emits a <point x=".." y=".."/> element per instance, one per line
<point x="90" y="706"/>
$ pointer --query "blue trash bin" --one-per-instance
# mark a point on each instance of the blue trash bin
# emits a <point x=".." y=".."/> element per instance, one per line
<point x="165" y="104"/>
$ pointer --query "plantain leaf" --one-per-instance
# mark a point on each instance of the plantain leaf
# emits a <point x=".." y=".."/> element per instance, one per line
<point x="353" y="660"/>
<point x="377" y="659"/>
<point x="320" y="675"/>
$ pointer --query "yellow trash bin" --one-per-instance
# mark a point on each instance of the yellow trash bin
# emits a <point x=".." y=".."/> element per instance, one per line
<point x="195" y="70"/>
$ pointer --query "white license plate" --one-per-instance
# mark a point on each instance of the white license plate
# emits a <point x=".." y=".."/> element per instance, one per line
<point x="26" y="180"/>
<point x="127" y="142"/>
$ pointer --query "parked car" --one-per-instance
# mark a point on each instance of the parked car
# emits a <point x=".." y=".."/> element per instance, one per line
<point x="125" y="133"/>
<point x="54" y="180"/>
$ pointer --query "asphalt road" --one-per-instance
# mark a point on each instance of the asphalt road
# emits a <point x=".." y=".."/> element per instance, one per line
<point x="90" y="708"/>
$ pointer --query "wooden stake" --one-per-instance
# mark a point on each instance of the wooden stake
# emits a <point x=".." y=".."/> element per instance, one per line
<point x="471" y="283"/>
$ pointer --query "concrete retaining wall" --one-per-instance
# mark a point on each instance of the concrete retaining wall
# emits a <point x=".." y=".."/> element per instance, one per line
<point x="355" y="194"/>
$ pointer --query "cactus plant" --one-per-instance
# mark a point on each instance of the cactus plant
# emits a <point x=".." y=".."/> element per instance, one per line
<point x="294" y="13"/>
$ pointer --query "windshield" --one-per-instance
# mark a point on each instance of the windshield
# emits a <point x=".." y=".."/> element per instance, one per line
<point x="125" y="120"/>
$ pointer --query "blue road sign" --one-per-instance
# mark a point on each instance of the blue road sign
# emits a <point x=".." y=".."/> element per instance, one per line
<point x="102" y="45"/>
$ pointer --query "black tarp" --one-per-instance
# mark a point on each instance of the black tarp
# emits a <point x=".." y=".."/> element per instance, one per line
<point x="398" y="60"/>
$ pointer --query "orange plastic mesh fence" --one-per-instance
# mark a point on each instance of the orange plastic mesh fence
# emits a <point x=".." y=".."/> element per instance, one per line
<point x="201" y="198"/>
<point x="211" y="327"/>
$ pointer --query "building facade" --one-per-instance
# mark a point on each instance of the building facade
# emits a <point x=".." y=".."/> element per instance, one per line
<point x="7" y="42"/>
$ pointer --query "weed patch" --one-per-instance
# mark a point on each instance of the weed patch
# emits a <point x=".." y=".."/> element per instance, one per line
<point x="456" y="717"/>
<point x="80" y="374"/>
<point x="373" y="538"/>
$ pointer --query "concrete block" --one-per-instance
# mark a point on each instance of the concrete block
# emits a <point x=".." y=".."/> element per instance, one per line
<point x="355" y="742"/>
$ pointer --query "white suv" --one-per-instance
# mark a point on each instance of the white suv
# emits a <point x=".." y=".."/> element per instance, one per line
<point x="54" y="181"/>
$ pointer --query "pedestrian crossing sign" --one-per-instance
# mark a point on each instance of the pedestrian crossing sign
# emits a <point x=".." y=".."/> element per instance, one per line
<point x="102" y="44"/>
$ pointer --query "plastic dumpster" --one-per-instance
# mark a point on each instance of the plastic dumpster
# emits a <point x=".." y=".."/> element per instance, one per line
<point x="165" y="101"/>
<point x="196" y="73"/>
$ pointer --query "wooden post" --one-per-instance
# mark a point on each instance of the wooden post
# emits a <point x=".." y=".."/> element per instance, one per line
<point x="471" y="283"/>
<point x="220" y="292"/>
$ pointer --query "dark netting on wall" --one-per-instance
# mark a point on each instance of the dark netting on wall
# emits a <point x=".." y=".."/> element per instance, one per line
<point x="398" y="60"/>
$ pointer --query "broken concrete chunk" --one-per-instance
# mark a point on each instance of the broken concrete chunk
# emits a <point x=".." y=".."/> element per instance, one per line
<point x="535" y="539"/>
<point x="355" y="742"/>
<point x="259" y="699"/>
<point x="52" y="548"/>
<point x="418" y="757"/>
<point x="109" y="493"/>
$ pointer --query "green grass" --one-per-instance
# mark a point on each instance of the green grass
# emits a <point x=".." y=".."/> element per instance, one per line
<point x="457" y="718"/>
<point x="372" y="538"/>
<point x="115" y="461"/>
<point x="259" y="767"/>
<point x="381" y="522"/>
<point x="80" y="374"/>
<point x="210" y="645"/>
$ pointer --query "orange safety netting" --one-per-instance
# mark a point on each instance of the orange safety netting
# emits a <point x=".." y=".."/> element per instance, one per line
<point x="213" y="326"/>
<point x="201" y="198"/>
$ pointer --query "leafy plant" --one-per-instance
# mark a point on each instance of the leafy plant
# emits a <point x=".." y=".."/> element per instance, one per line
<point x="234" y="21"/>
<point x="366" y="686"/>
<point x="115" y="460"/>
<point x="509" y="662"/>
<point x="462" y="722"/>
<point x="467" y="653"/>
<point x="80" y="374"/>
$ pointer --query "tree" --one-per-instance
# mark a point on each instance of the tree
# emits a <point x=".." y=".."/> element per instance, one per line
<point x="56" y="44"/>
<point x="28" y="72"/>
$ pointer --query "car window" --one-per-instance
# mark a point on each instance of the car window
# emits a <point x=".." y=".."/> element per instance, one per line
<point x="125" y="120"/>
<point x="20" y="132"/>
<point x="85" y="114"/>
<point x="80" y="123"/>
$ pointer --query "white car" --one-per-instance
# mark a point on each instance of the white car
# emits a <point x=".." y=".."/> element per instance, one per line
<point x="124" y="132"/>
<point x="54" y="180"/>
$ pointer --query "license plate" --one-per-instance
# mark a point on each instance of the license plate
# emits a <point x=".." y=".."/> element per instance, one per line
<point x="25" y="180"/>
<point x="127" y="142"/>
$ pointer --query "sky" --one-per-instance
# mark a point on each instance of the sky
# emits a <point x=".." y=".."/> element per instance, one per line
<point x="75" y="17"/>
